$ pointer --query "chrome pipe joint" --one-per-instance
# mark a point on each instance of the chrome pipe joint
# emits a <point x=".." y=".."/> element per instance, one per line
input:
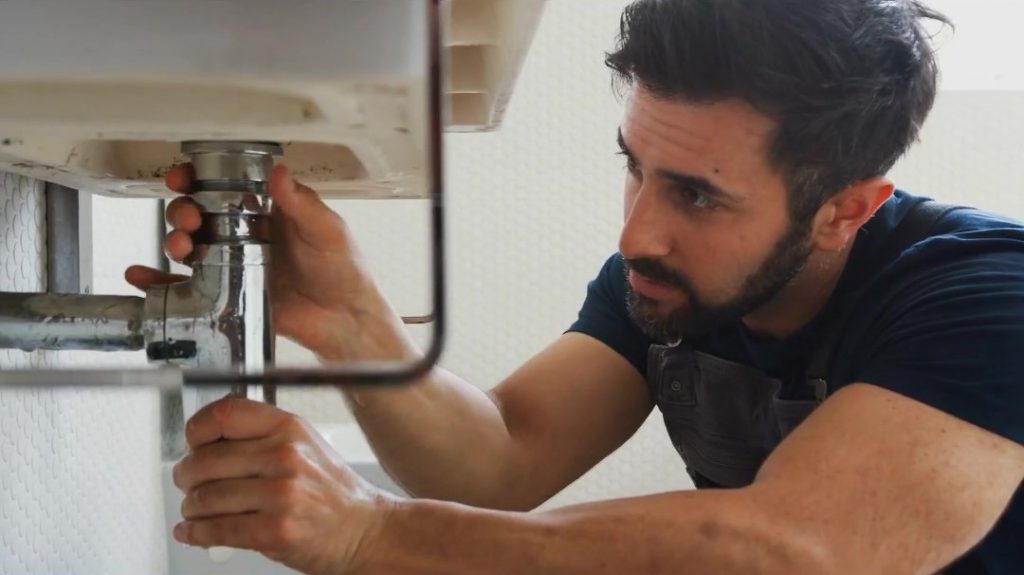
<point x="219" y="319"/>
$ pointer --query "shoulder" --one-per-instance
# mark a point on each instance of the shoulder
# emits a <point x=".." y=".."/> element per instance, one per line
<point x="965" y="246"/>
<point x="944" y="322"/>
<point x="966" y="251"/>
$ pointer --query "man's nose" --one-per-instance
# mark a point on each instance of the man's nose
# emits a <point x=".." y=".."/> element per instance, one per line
<point x="646" y="230"/>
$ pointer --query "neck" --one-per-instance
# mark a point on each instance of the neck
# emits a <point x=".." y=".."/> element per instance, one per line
<point x="800" y="301"/>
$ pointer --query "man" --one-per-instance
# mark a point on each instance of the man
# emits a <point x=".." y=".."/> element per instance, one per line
<point x="763" y="243"/>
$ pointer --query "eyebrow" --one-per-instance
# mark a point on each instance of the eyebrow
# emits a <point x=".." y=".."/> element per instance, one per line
<point x="696" y="183"/>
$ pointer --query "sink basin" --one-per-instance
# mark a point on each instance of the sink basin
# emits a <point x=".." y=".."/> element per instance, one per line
<point x="98" y="94"/>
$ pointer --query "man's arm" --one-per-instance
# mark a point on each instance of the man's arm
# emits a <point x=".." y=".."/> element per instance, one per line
<point x="512" y="448"/>
<point x="440" y="437"/>
<point x="872" y="482"/>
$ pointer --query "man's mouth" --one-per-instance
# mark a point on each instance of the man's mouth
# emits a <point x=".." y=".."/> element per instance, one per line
<point x="651" y="289"/>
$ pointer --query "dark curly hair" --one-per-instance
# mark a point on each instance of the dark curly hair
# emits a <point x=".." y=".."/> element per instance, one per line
<point x="848" y="82"/>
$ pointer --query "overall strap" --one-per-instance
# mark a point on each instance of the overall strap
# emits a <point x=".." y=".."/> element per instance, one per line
<point x="915" y="226"/>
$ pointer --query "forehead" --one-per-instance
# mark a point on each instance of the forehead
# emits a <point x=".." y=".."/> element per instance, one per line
<point x="726" y="140"/>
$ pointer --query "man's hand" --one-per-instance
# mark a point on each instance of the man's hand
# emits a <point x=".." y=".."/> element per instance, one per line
<point x="260" y="478"/>
<point x="322" y="294"/>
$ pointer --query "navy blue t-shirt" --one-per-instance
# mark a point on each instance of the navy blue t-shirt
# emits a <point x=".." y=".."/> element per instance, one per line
<point x="946" y="328"/>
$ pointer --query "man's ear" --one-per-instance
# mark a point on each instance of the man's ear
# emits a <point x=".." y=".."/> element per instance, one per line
<point x="839" y="218"/>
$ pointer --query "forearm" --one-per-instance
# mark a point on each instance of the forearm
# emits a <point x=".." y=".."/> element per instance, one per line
<point x="440" y="437"/>
<point x="715" y="532"/>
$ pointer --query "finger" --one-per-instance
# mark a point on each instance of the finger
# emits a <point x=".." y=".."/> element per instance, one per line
<point x="246" y="531"/>
<point x="144" y="277"/>
<point x="316" y="223"/>
<point x="179" y="178"/>
<point x="225" y="460"/>
<point x="235" y="496"/>
<point x="183" y="214"/>
<point x="234" y="418"/>
<point x="178" y="245"/>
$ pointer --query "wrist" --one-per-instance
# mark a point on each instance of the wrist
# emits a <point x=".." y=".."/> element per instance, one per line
<point x="407" y="536"/>
<point x="428" y="537"/>
<point x="374" y="546"/>
<point x="369" y="331"/>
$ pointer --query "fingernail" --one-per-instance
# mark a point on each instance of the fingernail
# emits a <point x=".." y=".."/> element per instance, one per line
<point x="180" y="532"/>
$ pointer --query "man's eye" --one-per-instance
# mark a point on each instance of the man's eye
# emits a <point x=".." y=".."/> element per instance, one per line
<point x="630" y="162"/>
<point x="699" y="200"/>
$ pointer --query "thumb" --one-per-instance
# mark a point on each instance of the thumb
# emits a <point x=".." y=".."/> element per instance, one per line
<point x="310" y="217"/>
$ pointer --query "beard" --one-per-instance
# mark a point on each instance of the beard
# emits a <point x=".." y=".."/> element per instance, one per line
<point x="697" y="317"/>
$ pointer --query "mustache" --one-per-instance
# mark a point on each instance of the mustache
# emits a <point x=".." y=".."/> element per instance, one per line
<point x="659" y="272"/>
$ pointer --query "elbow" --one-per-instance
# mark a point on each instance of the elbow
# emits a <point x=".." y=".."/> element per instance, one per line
<point x="774" y="541"/>
<point x="805" y="555"/>
<point x="790" y="552"/>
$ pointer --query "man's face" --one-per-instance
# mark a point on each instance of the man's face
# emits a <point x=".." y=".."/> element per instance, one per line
<point x="707" y="237"/>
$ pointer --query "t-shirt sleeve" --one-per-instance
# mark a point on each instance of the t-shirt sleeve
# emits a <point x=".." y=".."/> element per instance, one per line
<point x="953" y="338"/>
<point x="605" y="318"/>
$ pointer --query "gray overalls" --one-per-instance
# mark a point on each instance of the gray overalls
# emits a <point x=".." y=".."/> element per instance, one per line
<point x="724" y="418"/>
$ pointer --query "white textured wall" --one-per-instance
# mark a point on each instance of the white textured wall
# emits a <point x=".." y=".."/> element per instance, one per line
<point x="970" y="152"/>
<point x="79" y="470"/>
<point x="978" y="54"/>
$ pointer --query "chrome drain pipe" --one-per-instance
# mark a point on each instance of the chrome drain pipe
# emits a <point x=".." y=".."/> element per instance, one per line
<point x="217" y="320"/>
<point x="221" y="318"/>
<point x="30" y="321"/>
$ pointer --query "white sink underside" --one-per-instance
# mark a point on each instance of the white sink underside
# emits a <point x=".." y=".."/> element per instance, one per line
<point x="98" y="94"/>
